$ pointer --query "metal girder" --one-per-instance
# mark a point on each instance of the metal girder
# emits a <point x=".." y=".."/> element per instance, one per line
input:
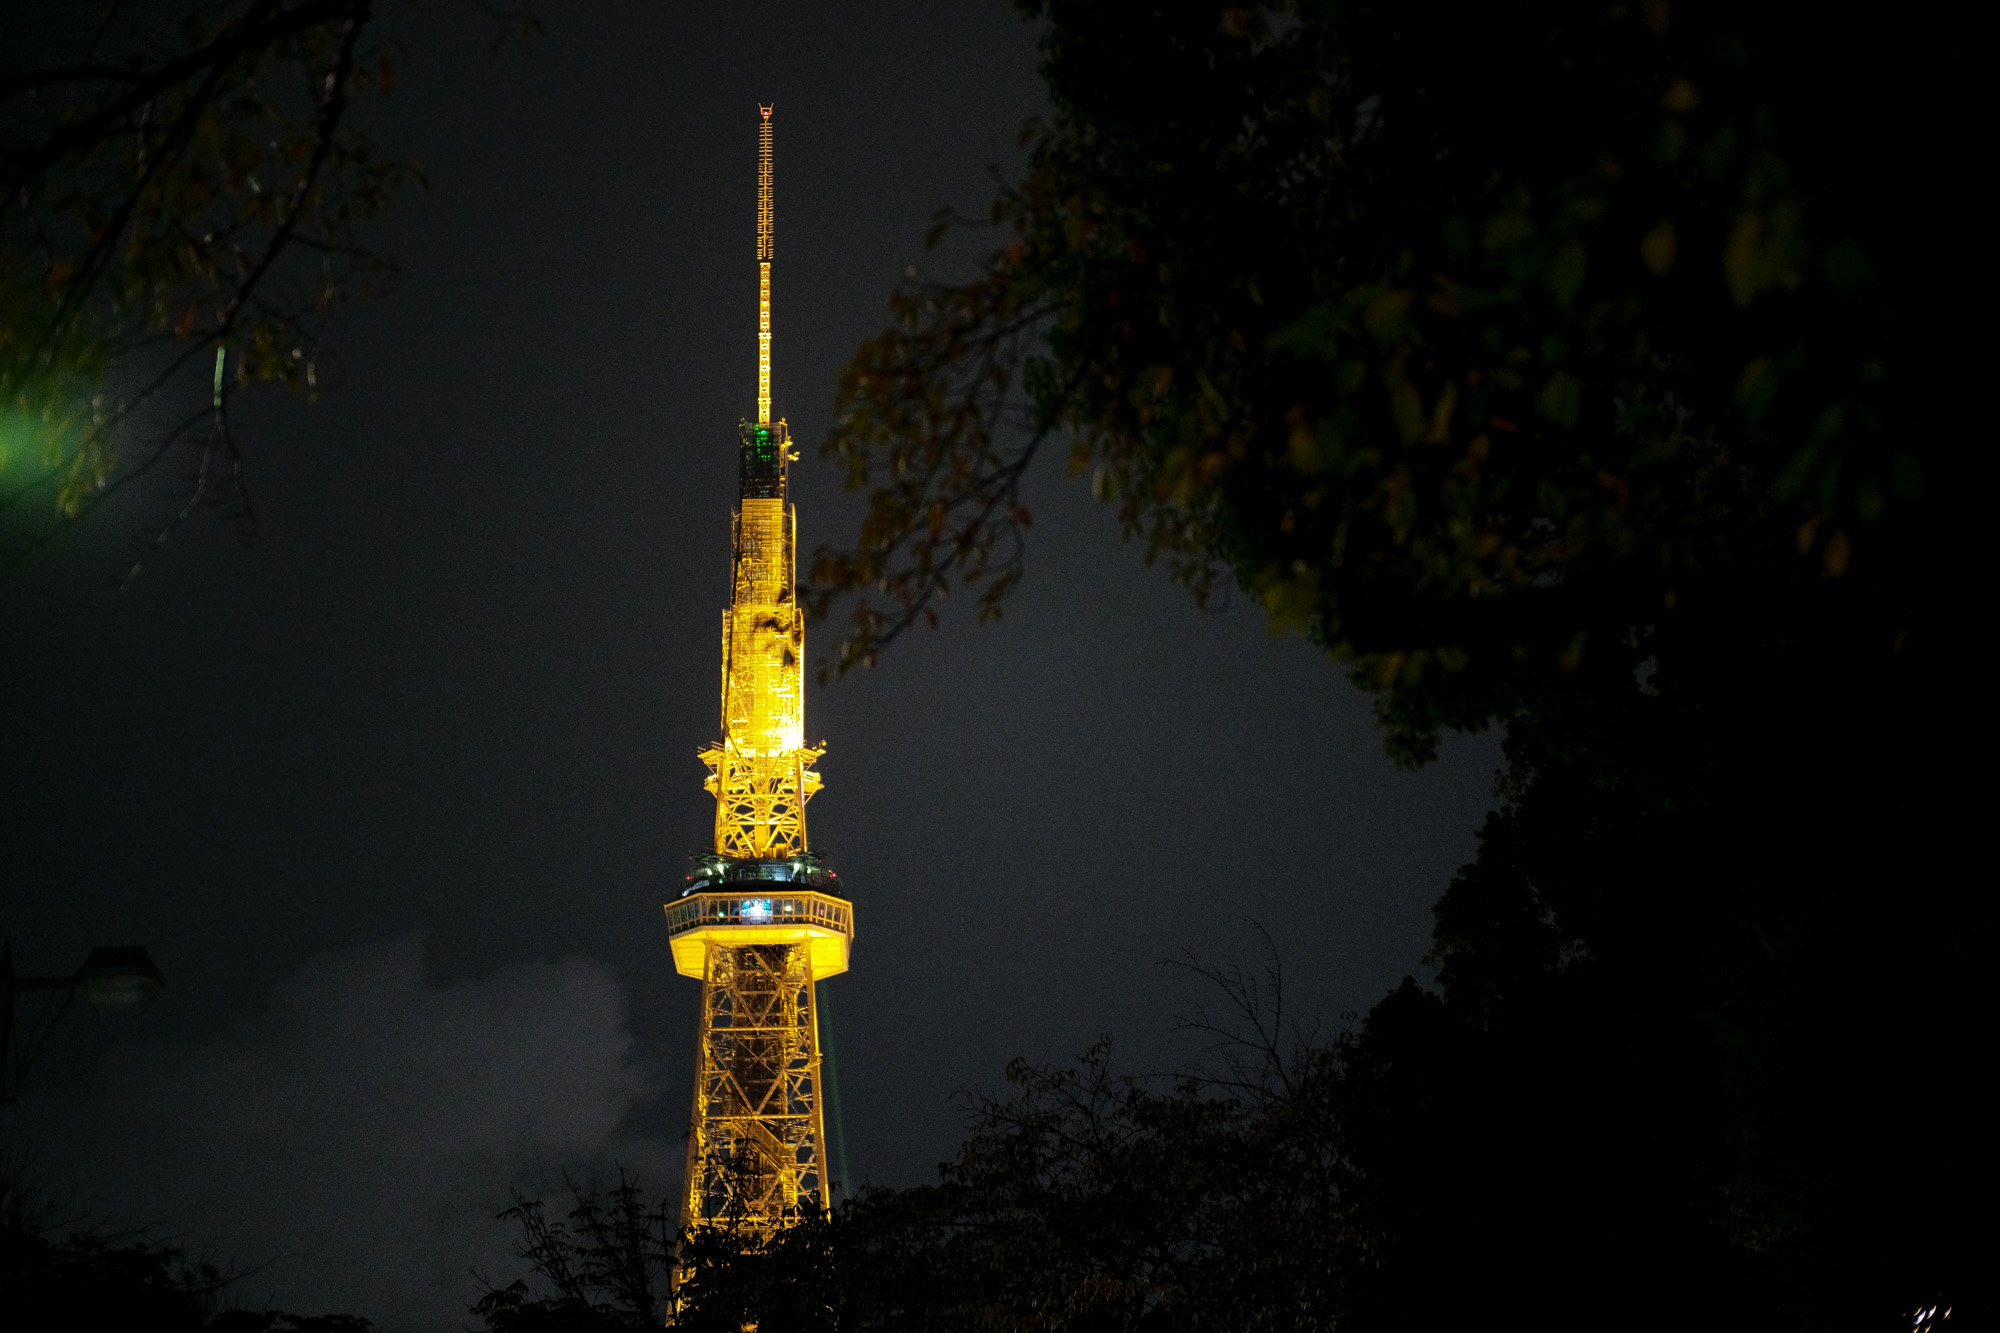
<point x="755" y="1150"/>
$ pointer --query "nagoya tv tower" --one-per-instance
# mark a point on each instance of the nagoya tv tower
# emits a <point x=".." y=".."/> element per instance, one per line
<point x="760" y="919"/>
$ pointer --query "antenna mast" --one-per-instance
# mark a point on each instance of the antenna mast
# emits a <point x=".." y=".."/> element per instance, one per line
<point x="766" y="234"/>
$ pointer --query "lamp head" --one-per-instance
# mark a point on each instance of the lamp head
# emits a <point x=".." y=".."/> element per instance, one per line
<point x="124" y="977"/>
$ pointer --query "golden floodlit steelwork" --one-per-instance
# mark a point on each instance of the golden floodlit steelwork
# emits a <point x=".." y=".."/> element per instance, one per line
<point x="761" y="918"/>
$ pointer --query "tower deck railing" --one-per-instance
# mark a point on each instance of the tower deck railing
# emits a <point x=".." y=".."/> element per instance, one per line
<point x="736" y="908"/>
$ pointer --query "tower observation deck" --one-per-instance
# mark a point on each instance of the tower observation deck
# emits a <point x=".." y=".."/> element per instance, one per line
<point x="761" y="918"/>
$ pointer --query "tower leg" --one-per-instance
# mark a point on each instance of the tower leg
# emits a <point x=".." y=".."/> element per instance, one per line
<point x="756" y="1154"/>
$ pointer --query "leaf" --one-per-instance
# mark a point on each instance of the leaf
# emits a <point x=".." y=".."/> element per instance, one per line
<point x="1561" y="399"/>
<point x="1680" y="97"/>
<point x="1406" y="407"/>
<point x="1440" y="431"/>
<point x="1566" y="271"/>
<point x="1387" y="316"/>
<point x="1658" y="247"/>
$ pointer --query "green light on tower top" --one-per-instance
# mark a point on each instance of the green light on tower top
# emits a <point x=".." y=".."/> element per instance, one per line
<point x="766" y="450"/>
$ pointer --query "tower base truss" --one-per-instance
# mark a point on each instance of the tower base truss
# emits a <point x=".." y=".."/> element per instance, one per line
<point x="756" y="1150"/>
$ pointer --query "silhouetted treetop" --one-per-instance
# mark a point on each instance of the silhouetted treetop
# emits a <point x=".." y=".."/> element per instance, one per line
<point x="1471" y="341"/>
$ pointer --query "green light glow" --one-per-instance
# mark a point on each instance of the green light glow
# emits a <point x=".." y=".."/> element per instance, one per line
<point x="31" y="445"/>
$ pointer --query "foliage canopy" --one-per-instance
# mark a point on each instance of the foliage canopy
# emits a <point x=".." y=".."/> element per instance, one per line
<point x="1470" y="341"/>
<point x="1554" y="365"/>
<point x="58" y="1273"/>
<point x="175" y="202"/>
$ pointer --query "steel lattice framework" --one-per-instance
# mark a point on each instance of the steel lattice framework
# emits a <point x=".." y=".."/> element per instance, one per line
<point x="758" y="1127"/>
<point x="760" y="922"/>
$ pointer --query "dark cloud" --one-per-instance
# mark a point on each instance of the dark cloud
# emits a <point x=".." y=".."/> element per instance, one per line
<point x="356" y="1138"/>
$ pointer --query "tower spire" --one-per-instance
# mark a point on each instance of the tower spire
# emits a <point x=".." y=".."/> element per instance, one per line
<point x="761" y="920"/>
<point x="766" y="234"/>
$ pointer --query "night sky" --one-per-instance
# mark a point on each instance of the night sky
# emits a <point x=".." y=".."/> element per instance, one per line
<point x="394" y="794"/>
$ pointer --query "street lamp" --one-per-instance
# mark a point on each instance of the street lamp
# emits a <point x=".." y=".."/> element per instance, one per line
<point x="120" y="978"/>
<point x="124" y="977"/>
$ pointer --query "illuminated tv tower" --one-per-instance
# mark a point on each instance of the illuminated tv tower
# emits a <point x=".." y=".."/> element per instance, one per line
<point x="760" y="919"/>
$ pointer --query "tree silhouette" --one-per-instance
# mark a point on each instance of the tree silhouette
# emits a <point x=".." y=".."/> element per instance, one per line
<point x="1555" y="366"/>
<point x="176" y="203"/>
<point x="58" y="1273"/>
<point x="604" y="1266"/>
